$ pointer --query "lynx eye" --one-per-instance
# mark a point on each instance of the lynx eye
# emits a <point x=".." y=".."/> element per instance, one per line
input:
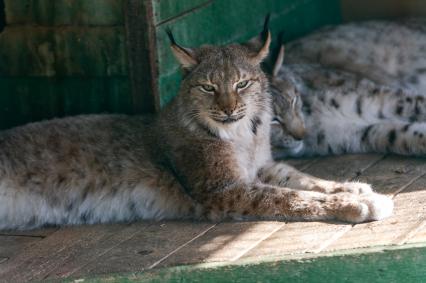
<point x="242" y="84"/>
<point x="207" y="88"/>
<point x="275" y="121"/>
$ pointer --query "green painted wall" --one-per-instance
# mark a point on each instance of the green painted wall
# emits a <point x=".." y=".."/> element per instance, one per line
<point x="62" y="57"/>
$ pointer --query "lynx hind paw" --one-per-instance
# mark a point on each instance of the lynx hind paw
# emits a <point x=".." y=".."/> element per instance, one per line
<point x="369" y="207"/>
<point x="354" y="188"/>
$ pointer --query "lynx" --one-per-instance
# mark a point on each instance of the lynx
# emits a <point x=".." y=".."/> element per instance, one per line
<point x="206" y="156"/>
<point x="334" y="105"/>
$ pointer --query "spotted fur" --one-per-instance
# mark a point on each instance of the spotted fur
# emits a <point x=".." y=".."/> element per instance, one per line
<point x="388" y="52"/>
<point x="205" y="156"/>
<point x="343" y="108"/>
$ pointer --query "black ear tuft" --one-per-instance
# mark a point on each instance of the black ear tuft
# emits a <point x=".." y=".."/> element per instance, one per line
<point x="170" y="35"/>
<point x="265" y="30"/>
<point x="281" y="37"/>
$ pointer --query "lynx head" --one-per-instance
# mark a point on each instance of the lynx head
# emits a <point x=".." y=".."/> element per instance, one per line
<point x="287" y="127"/>
<point x="287" y="103"/>
<point x="223" y="87"/>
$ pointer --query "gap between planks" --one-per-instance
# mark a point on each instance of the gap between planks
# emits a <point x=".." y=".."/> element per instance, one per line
<point x="98" y="256"/>
<point x="180" y="247"/>
<point x="255" y="244"/>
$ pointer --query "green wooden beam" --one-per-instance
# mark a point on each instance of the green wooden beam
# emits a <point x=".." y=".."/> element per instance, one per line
<point x="26" y="99"/>
<point x="64" y="12"/>
<point x="71" y="51"/>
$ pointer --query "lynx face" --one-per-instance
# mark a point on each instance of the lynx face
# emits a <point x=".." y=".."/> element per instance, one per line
<point x="223" y="86"/>
<point x="287" y="126"/>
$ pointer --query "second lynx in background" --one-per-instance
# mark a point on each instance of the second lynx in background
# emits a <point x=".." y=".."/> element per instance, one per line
<point x="353" y="88"/>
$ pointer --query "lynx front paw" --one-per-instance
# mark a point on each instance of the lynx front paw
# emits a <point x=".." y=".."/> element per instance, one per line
<point x="379" y="206"/>
<point x="367" y="207"/>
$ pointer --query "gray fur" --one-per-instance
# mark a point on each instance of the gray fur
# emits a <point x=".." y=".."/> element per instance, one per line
<point x="350" y="102"/>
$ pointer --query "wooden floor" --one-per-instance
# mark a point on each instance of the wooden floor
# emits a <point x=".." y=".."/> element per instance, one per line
<point x="78" y="252"/>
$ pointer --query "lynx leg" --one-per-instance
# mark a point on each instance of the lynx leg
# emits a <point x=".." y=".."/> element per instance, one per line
<point x="281" y="174"/>
<point x="265" y="201"/>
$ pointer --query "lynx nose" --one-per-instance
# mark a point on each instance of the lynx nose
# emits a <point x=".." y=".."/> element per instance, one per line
<point x="228" y="111"/>
<point x="298" y="133"/>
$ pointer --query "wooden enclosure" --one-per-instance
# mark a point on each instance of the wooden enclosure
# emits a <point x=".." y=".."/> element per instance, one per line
<point x="61" y="58"/>
<point x="68" y="57"/>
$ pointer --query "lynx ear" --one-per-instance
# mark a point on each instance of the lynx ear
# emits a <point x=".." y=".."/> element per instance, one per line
<point x="185" y="56"/>
<point x="264" y="51"/>
<point x="279" y="62"/>
<point x="261" y="43"/>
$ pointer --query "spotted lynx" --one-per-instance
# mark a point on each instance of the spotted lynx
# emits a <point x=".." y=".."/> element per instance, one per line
<point x="323" y="109"/>
<point x="205" y="156"/>
<point x="387" y="52"/>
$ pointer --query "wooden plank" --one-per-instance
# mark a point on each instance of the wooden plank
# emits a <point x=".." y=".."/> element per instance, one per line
<point x="11" y="245"/>
<point x="416" y="199"/>
<point x="70" y="51"/>
<point x="296" y="238"/>
<point x="394" y="173"/>
<point x="41" y="258"/>
<point x="408" y="214"/>
<point x="226" y="242"/>
<point x="344" y="167"/>
<point x="145" y="249"/>
<point x="201" y="26"/>
<point x="64" y="12"/>
<point x="75" y="262"/>
<point x="393" y="265"/>
<point x="13" y="242"/>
